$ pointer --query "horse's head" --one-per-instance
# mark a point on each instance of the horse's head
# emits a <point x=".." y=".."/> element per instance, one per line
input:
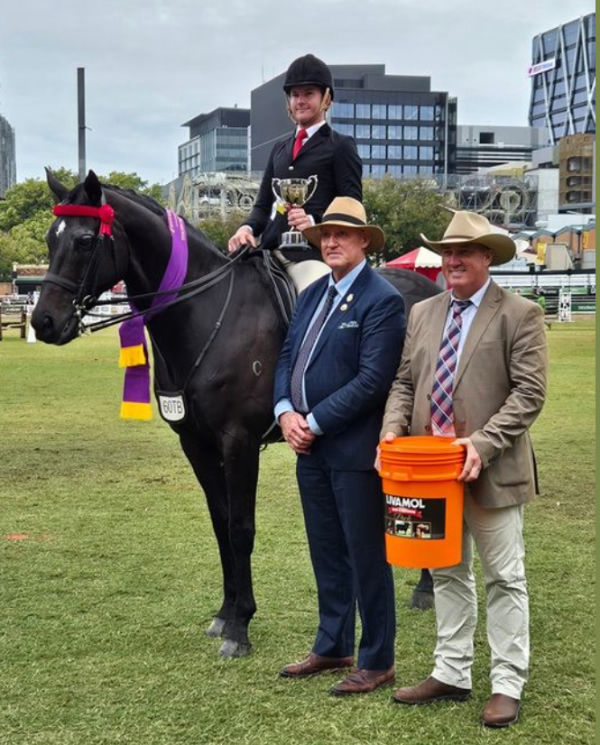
<point x="85" y="259"/>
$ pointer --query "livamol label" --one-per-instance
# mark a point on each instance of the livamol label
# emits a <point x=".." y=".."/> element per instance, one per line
<point x="415" y="517"/>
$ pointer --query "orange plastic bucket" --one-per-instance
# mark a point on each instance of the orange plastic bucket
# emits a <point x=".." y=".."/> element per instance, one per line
<point x="423" y="501"/>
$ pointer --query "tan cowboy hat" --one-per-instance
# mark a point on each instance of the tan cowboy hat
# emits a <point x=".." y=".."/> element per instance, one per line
<point x="348" y="213"/>
<point x="469" y="227"/>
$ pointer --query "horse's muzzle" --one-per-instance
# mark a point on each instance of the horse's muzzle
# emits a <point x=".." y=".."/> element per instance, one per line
<point x="53" y="331"/>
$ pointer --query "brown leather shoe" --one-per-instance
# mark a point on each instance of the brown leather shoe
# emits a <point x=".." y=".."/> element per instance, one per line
<point x="315" y="664"/>
<point x="428" y="691"/>
<point x="500" y="711"/>
<point x="363" y="681"/>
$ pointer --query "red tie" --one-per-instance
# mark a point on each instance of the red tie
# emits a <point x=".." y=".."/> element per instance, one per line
<point x="302" y="134"/>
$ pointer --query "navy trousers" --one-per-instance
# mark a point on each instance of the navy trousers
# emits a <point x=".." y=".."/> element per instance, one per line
<point x="343" y="514"/>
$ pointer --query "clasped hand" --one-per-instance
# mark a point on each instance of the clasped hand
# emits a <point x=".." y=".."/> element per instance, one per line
<point x="296" y="432"/>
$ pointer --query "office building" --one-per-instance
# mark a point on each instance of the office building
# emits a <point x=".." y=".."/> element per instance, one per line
<point x="400" y="125"/>
<point x="563" y="79"/>
<point x="8" y="169"/>
<point x="480" y="147"/>
<point x="218" y="141"/>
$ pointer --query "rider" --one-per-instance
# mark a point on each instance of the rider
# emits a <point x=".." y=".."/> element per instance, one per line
<point x="330" y="156"/>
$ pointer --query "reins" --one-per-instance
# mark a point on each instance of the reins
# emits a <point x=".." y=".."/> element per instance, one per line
<point x="197" y="286"/>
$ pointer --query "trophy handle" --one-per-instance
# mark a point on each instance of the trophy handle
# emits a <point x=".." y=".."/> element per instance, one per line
<point x="314" y="180"/>
<point x="275" y="184"/>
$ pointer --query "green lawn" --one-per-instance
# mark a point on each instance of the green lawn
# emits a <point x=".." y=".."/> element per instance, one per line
<point x="109" y="575"/>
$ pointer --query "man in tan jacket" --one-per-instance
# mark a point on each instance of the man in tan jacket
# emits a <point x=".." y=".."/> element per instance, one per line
<point x="474" y="368"/>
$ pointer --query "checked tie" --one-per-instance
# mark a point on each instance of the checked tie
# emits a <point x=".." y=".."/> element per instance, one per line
<point x="306" y="349"/>
<point x="302" y="134"/>
<point x="442" y="417"/>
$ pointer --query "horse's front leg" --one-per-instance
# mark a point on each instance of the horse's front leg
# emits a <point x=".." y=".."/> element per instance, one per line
<point x="206" y="461"/>
<point x="240" y="461"/>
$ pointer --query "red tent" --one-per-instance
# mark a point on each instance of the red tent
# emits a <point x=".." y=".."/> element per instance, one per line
<point x="420" y="260"/>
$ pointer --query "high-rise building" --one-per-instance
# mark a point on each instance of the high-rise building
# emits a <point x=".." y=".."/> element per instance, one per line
<point x="8" y="169"/>
<point x="217" y="142"/>
<point x="400" y="125"/>
<point x="563" y="79"/>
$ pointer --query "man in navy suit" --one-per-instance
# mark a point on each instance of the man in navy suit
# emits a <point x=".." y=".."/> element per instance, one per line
<point x="323" y="152"/>
<point x="331" y="383"/>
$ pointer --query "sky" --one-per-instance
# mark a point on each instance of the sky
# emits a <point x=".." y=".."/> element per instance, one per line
<point x="151" y="65"/>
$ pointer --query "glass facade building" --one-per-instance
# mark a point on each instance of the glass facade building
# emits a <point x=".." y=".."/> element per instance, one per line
<point x="217" y="142"/>
<point x="563" y="79"/>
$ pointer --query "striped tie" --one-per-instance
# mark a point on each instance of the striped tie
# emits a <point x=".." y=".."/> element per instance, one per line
<point x="442" y="416"/>
<point x="306" y="349"/>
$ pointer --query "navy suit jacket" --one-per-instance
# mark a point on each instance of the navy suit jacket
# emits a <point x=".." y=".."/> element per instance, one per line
<point x="352" y="367"/>
<point x="329" y="155"/>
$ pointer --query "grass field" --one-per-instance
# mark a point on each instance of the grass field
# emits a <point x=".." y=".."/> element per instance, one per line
<point x="109" y="575"/>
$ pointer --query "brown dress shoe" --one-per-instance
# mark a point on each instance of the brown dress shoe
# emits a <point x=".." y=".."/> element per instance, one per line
<point x="500" y="711"/>
<point x="315" y="664"/>
<point x="363" y="681"/>
<point x="428" y="691"/>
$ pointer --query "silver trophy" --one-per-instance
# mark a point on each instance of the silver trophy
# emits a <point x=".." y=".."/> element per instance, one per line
<point x="295" y="191"/>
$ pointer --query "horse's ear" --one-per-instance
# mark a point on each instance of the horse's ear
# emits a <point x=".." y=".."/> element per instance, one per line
<point x="93" y="188"/>
<point x="59" y="192"/>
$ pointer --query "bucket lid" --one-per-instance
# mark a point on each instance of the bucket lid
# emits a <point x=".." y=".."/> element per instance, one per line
<point x="423" y="444"/>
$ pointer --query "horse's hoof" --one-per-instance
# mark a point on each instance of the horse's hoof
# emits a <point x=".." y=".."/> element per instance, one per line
<point x="231" y="649"/>
<point x="216" y="628"/>
<point x="421" y="600"/>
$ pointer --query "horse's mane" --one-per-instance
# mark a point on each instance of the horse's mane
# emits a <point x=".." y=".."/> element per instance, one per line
<point x="153" y="206"/>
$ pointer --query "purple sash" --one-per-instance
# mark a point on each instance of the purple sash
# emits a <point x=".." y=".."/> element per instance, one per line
<point x="136" y="403"/>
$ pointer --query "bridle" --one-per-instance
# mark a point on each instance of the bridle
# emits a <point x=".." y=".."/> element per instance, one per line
<point x="84" y="292"/>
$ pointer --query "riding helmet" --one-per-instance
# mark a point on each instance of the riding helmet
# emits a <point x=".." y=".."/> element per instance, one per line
<point x="308" y="70"/>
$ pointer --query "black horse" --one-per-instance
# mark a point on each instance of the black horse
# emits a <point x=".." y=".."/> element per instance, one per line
<point x="233" y="320"/>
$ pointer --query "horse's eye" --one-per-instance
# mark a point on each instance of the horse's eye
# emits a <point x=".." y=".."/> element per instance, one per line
<point x="84" y="242"/>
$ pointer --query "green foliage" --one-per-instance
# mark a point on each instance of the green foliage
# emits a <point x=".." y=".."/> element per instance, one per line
<point x="220" y="231"/>
<point x="26" y="215"/>
<point x="110" y="574"/>
<point x="404" y="209"/>
<point x="29" y="198"/>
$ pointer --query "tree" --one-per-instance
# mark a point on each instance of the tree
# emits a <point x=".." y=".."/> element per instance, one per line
<point x="220" y="230"/>
<point x="28" y="198"/>
<point x="404" y="210"/>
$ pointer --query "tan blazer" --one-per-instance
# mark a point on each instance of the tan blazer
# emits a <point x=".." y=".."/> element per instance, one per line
<point x="499" y="388"/>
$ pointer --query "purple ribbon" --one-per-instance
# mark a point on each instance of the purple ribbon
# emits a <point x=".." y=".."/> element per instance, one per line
<point x="136" y="387"/>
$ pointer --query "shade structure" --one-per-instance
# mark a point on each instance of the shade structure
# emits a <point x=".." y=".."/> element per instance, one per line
<point x="420" y="260"/>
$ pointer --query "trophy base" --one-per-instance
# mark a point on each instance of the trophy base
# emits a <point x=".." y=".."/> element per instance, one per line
<point x="294" y="247"/>
<point x="293" y="239"/>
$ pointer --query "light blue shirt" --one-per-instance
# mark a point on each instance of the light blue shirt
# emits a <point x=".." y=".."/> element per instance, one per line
<point x="467" y="316"/>
<point x="342" y="287"/>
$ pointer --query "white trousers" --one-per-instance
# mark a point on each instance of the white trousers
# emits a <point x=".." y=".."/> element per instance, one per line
<point x="303" y="273"/>
<point x="498" y="535"/>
